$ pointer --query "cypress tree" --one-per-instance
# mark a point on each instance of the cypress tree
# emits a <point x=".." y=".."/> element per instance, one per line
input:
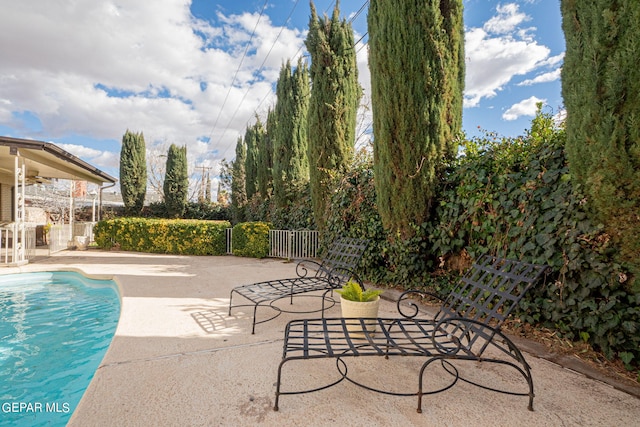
<point x="238" y="185"/>
<point x="333" y="106"/>
<point x="290" y="162"/>
<point x="260" y="134"/>
<point x="176" y="181"/>
<point x="251" y="161"/>
<point x="265" y="154"/>
<point x="133" y="172"/>
<point x="281" y="111"/>
<point x="416" y="58"/>
<point x="601" y="91"/>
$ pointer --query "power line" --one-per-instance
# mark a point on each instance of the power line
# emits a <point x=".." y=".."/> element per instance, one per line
<point x="238" y="69"/>
<point x="258" y="72"/>
<point x="365" y="34"/>
<point x="360" y="39"/>
<point x="270" y="92"/>
<point x="203" y="184"/>
<point x="359" y="10"/>
<point x="300" y="48"/>
<point x="328" y="7"/>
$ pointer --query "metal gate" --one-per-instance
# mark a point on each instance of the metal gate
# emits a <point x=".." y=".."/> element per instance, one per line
<point x="288" y="244"/>
<point x="292" y="244"/>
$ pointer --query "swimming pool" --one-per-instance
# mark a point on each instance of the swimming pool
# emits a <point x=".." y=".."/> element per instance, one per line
<point x="55" y="328"/>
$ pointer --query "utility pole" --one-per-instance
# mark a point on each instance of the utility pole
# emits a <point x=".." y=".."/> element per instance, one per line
<point x="205" y="169"/>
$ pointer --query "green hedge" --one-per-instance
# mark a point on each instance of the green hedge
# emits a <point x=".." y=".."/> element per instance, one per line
<point x="184" y="237"/>
<point x="251" y="239"/>
<point x="515" y="198"/>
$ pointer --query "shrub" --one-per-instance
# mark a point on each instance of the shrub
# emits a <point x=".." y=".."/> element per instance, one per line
<point x="352" y="213"/>
<point x="298" y="214"/>
<point x="251" y="239"/>
<point x="184" y="237"/>
<point x="194" y="210"/>
<point x="208" y="211"/>
<point x="515" y="198"/>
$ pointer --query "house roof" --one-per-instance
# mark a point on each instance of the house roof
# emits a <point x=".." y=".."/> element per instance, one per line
<point x="45" y="160"/>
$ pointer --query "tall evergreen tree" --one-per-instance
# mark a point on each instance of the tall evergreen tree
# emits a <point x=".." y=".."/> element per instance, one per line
<point x="265" y="154"/>
<point x="133" y="172"/>
<point x="416" y="58"/>
<point x="252" y="143"/>
<point x="176" y="181"/>
<point x="290" y="162"/>
<point x="333" y="106"/>
<point x="601" y="91"/>
<point x="238" y="185"/>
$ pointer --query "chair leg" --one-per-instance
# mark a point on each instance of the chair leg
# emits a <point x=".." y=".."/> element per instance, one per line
<point x="253" y="327"/>
<point x="324" y="296"/>
<point x="230" y="301"/>
<point x="275" y="405"/>
<point x="419" y="409"/>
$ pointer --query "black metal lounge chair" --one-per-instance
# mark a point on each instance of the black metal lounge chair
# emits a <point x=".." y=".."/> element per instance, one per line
<point x="335" y="268"/>
<point x="466" y="328"/>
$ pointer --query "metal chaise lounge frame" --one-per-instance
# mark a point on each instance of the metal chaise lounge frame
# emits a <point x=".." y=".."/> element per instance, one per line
<point x="466" y="326"/>
<point x="335" y="268"/>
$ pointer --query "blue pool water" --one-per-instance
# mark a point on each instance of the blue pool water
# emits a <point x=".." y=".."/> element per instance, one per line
<point x="55" y="328"/>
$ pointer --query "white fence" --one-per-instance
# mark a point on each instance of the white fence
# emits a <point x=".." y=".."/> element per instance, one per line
<point x="30" y="244"/>
<point x="229" y="237"/>
<point x="84" y="229"/>
<point x="10" y="236"/>
<point x="288" y="244"/>
<point x="6" y="244"/>
<point x="293" y="244"/>
<point x="59" y="235"/>
<point x="58" y="238"/>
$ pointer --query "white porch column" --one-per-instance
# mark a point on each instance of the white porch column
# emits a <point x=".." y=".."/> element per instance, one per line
<point x="19" y="231"/>
<point x="71" y="188"/>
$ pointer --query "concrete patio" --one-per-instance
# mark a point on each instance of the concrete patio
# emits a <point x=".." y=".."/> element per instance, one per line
<point x="178" y="359"/>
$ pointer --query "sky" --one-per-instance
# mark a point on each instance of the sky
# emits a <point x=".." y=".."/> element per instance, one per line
<point x="79" y="73"/>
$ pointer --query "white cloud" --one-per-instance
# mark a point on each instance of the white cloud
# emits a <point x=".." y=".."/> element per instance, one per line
<point x="526" y="107"/>
<point x="80" y="151"/>
<point x="508" y="19"/>
<point x="364" y="120"/>
<point x="93" y="156"/>
<point x="542" y="78"/>
<point x="99" y="68"/>
<point x="560" y="116"/>
<point x="498" y="52"/>
<point x="553" y="61"/>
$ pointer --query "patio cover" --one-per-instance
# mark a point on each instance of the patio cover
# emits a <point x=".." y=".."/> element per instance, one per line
<point x="45" y="160"/>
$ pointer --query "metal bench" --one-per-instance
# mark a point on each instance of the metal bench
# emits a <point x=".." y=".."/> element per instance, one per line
<point x="334" y="269"/>
<point x="466" y="328"/>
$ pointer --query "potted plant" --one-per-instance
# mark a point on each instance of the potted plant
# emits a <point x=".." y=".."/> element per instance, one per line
<point x="358" y="303"/>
